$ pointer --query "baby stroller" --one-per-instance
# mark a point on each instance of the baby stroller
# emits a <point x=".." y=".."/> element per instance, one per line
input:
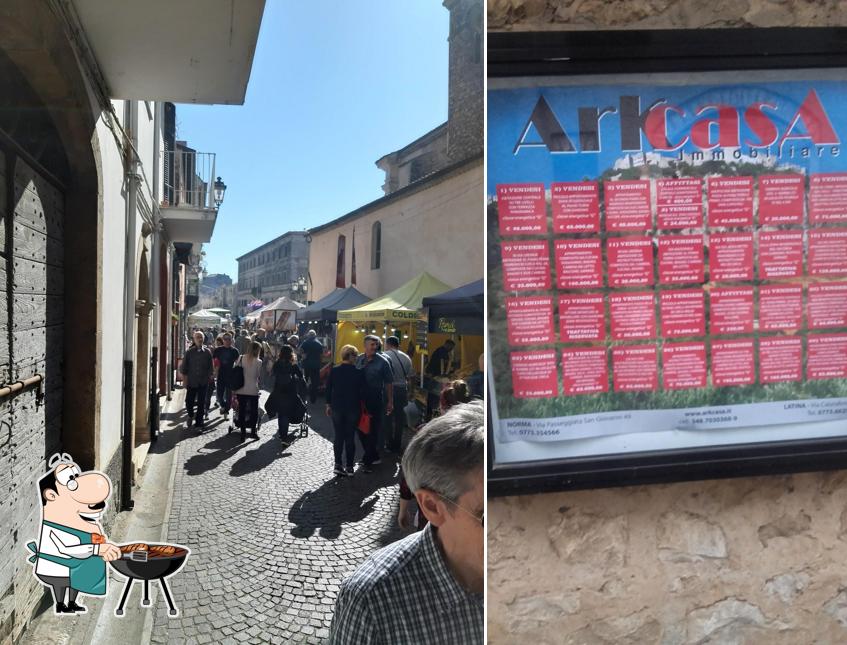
<point x="304" y="426"/>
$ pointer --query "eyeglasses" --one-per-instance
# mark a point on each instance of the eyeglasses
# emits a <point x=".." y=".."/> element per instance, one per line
<point x="478" y="518"/>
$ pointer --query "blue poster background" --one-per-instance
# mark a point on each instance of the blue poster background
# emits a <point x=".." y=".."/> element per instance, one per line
<point x="509" y="111"/>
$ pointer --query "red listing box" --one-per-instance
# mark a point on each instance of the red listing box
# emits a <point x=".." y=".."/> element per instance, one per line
<point x="683" y="313"/>
<point x="683" y="365"/>
<point x="526" y="265"/>
<point x="828" y="197"/>
<point x="679" y="202"/>
<point x="582" y="317"/>
<point x="780" y="307"/>
<point x="633" y="315"/>
<point x="584" y="370"/>
<point x="635" y="368"/>
<point x="576" y="206"/>
<point x="680" y="258"/>
<point x="827" y="305"/>
<point x="733" y="363"/>
<point x="579" y="264"/>
<point x="521" y="209"/>
<point x="781" y="199"/>
<point x="534" y="375"/>
<point x="628" y="205"/>
<point x="730" y="256"/>
<point x="730" y="201"/>
<point x="731" y="310"/>
<point x="530" y="320"/>
<point x="780" y="359"/>
<point x="827" y="356"/>
<point x="630" y="261"/>
<point x="780" y="255"/>
<point x="828" y="252"/>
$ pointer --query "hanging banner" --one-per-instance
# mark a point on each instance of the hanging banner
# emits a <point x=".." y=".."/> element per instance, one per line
<point x="666" y="258"/>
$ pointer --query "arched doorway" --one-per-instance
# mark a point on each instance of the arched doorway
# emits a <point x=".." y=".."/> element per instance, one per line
<point x="50" y="324"/>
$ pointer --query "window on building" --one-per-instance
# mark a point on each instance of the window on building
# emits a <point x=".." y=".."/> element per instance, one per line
<point x="376" y="245"/>
<point x="286" y="249"/>
<point x="339" y="262"/>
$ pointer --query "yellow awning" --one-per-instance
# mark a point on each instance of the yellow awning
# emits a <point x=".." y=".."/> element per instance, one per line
<point x="401" y="305"/>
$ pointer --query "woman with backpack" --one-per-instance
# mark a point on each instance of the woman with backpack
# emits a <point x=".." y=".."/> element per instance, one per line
<point x="248" y="394"/>
<point x="288" y="384"/>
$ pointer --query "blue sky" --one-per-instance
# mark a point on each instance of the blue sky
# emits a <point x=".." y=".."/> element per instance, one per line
<point x="334" y="86"/>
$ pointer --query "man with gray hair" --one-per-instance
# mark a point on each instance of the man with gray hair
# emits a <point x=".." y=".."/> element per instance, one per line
<point x="428" y="587"/>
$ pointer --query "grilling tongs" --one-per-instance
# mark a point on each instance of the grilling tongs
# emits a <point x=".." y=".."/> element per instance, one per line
<point x="135" y="556"/>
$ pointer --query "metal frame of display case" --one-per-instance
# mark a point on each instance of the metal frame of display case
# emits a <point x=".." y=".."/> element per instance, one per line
<point x="535" y="54"/>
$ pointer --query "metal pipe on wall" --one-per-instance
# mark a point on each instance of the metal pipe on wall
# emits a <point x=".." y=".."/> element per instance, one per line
<point x="132" y="180"/>
<point x="155" y="291"/>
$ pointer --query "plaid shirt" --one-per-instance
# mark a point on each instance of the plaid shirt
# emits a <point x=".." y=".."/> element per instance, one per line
<point x="405" y="594"/>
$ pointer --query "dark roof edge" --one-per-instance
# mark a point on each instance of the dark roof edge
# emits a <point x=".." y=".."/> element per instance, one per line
<point x="432" y="134"/>
<point x="276" y="239"/>
<point x="411" y="189"/>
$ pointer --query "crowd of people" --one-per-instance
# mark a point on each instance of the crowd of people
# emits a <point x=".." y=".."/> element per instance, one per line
<point x="368" y="394"/>
<point x="426" y="587"/>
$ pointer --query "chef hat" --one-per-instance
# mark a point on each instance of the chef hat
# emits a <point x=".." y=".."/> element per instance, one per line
<point x="60" y="458"/>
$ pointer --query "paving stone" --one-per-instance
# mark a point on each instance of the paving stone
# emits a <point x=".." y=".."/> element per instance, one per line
<point x="272" y="534"/>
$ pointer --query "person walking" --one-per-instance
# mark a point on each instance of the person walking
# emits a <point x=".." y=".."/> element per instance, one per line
<point x="248" y="394"/>
<point x="401" y="366"/>
<point x="265" y="382"/>
<point x="196" y="368"/>
<point x="312" y="350"/>
<point x="288" y="383"/>
<point x="225" y="357"/>
<point x="242" y="342"/>
<point x="379" y="387"/>
<point x="344" y="390"/>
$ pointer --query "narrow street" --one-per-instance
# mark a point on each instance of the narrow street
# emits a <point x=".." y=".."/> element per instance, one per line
<point x="272" y="534"/>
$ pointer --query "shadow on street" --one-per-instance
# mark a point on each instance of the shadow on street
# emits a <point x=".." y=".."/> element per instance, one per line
<point x="261" y="457"/>
<point x="338" y="501"/>
<point x="222" y="449"/>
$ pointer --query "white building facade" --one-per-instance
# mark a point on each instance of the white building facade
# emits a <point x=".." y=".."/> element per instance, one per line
<point x="94" y="256"/>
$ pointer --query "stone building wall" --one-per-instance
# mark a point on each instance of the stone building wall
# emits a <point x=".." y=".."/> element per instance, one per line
<point x="465" y="103"/>
<point x="749" y="560"/>
<point x="552" y="15"/>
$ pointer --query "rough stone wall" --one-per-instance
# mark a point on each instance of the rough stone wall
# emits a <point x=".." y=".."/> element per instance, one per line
<point x="546" y="15"/>
<point x="465" y="103"/>
<point x="755" y="560"/>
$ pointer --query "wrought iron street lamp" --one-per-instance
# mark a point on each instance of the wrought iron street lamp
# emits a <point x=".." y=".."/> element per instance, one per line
<point x="220" y="191"/>
<point x="299" y="285"/>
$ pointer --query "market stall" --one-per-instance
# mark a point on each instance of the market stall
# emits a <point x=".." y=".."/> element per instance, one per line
<point x="395" y="314"/>
<point x="204" y="318"/>
<point x="322" y="316"/>
<point x="458" y="315"/>
<point x="455" y="315"/>
<point x="280" y="315"/>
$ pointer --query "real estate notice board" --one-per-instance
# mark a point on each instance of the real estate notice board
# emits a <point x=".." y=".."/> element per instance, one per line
<point x="667" y="261"/>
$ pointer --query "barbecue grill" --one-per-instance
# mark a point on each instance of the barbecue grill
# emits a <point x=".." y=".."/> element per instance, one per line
<point x="151" y="567"/>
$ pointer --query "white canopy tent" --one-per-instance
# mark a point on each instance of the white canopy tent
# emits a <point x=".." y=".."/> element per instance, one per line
<point x="204" y="318"/>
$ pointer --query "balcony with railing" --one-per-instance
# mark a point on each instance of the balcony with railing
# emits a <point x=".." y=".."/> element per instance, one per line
<point x="192" y="195"/>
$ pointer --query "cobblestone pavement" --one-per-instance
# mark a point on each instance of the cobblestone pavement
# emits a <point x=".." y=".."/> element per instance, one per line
<point x="272" y="534"/>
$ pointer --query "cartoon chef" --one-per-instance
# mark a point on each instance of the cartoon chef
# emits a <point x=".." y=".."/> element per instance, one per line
<point x="72" y="551"/>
